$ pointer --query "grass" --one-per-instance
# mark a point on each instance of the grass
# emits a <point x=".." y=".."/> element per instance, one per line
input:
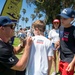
<point x="16" y="43"/>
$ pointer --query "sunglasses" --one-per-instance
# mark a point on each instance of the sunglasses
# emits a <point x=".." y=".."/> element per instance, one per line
<point x="56" y="23"/>
<point x="11" y="26"/>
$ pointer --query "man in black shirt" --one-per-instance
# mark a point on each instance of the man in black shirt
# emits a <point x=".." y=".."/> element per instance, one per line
<point x="9" y="63"/>
<point x="67" y="42"/>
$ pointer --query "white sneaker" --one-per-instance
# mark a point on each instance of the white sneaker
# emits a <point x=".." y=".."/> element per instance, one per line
<point x="54" y="73"/>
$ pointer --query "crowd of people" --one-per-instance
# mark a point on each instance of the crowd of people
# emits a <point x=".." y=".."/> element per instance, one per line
<point x="39" y="51"/>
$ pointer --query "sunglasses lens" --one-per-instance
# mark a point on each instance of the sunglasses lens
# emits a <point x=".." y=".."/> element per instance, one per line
<point x="56" y="23"/>
<point x="11" y="26"/>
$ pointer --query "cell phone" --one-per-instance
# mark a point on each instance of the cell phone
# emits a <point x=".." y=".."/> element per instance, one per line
<point x="53" y="44"/>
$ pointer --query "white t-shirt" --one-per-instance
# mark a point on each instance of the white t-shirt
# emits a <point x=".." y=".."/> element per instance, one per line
<point x="38" y="60"/>
<point x="54" y="35"/>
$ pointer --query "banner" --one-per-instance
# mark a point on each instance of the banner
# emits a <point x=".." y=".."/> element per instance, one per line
<point x="12" y="9"/>
<point x="29" y="1"/>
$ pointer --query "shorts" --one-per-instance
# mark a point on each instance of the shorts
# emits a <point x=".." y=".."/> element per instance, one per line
<point x="62" y="68"/>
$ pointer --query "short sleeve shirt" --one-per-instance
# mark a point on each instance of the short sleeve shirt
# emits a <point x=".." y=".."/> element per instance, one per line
<point x="7" y="59"/>
<point x="67" y="43"/>
<point x="41" y="49"/>
<point x="54" y="35"/>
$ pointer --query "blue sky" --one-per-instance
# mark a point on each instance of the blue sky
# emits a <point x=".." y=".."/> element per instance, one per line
<point x="29" y="11"/>
<point x="1" y="4"/>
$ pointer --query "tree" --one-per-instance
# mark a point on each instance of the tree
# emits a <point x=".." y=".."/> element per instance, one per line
<point x="51" y="7"/>
<point x="40" y="15"/>
<point x="18" y="22"/>
<point x="36" y="11"/>
<point x="23" y="20"/>
<point x="26" y="19"/>
<point x="33" y="16"/>
<point x="24" y="11"/>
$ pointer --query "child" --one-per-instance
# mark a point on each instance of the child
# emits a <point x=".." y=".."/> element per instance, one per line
<point x="41" y="52"/>
<point x="54" y="36"/>
<point x="67" y="42"/>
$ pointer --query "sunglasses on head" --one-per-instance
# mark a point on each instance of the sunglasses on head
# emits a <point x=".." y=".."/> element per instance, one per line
<point x="12" y="26"/>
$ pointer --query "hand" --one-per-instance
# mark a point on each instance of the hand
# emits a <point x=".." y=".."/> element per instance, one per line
<point x="29" y="41"/>
<point x="57" y="45"/>
<point x="22" y="44"/>
<point x="70" y="67"/>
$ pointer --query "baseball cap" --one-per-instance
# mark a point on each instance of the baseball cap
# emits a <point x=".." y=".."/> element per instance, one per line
<point x="56" y="20"/>
<point x="67" y="13"/>
<point x="5" y="20"/>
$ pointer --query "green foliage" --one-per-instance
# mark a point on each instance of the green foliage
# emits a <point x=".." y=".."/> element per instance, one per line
<point x="40" y="15"/>
<point x="33" y="16"/>
<point x="24" y="11"/>
<point x="26" y="19"/>
<point x="51" y="7"/>
<point x="16" y="42"/>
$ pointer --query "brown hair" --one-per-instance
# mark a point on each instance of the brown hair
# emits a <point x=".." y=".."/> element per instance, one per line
<point x="39" y="24"/>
